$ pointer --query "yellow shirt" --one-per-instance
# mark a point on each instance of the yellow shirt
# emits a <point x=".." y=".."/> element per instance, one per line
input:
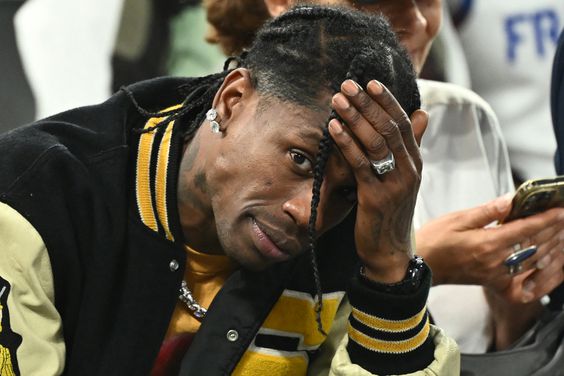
<point x="205" y="274"/>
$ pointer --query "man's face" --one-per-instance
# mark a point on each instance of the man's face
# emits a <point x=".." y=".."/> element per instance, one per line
<point x="416" y="22"/>
<point x="261" y="181"/>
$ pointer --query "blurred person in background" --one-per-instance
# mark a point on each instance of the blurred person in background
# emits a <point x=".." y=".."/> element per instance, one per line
<point x="162" y="37"/>
<point x="509" y="47"/>
<point x="466" y="164"/>
<point x="53" y="49"/>
<point x="66" y="48"/>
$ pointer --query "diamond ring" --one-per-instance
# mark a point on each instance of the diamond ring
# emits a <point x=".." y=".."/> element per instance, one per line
<point x="383" y="166"/>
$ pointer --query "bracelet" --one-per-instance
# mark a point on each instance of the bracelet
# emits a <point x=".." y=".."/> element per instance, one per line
<point x="410" y="282"/>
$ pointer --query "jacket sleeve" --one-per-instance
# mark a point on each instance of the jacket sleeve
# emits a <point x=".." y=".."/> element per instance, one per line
<point x="31" y="339"/>
<point x="386" y="333"/>
<point x="446" y="360"/>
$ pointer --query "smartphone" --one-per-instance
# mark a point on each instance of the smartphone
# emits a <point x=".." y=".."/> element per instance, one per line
<point x="535" y="196"/>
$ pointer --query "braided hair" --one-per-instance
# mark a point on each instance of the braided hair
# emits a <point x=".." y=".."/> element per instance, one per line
<point x="304" y="55"/>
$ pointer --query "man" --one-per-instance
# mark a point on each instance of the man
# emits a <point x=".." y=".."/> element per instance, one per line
<point x="466" y="165"/>
<point x="117" y="230"/>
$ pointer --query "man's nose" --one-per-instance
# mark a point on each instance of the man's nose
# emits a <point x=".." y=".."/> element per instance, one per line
<point x="298" y="208"/>
<point x="410" y="25"/>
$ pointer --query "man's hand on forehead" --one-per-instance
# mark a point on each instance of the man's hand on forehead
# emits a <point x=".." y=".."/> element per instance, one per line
<point x="378" y="142"/>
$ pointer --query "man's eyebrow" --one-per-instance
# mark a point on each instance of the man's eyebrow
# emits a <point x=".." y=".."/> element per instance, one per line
<point x="306" y="131"/>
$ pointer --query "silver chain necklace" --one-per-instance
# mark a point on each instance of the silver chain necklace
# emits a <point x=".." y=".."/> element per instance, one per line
<point x="187" y="298"/>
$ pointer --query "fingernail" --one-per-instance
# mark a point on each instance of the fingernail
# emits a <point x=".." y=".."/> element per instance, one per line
<point x="561" y="236"/>
<point x="528" y="287"/>
<point x="375" y="87"/>
<point x="561" y="215"/>
<point x="341" y="101"/>
<point x="350" y="87"/>
<point x="336" y="127"/>
<point x="543" y="262"/>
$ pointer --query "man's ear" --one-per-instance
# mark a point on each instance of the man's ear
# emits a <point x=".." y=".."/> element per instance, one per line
<point x="277" y="7"/>
<point x="236" y="86"/>
<point x="419" y="122"/>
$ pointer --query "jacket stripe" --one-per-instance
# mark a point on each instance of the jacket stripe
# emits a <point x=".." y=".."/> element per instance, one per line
<point x="385" y="325"/>
<point x="389" y="347"/>
<point x="161" y="180"/>
<point x="387" y="335"/>
<point x="143" y="178"/>
<point x="294" y="314"/>
<point x="291" y="318"/>
<point x="260" y="362"/>
<point x="146" y="205"/>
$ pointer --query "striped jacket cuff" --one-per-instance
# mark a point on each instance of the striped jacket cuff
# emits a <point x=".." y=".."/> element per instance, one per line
<point x="389" y="333"/>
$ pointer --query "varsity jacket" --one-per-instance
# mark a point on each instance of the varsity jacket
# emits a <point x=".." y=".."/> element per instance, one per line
<point x="93" y="256"/>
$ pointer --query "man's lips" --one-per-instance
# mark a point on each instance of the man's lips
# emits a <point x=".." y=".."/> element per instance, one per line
<point x="266" y="246"/>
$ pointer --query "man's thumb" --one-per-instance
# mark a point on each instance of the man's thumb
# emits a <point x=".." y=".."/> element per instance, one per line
<point x="491" y="211"/>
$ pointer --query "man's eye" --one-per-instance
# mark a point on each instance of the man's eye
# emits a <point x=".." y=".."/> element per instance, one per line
<point x="301" y="161"/>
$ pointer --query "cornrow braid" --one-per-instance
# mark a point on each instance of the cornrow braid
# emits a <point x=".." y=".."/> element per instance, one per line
<point x="200" y="96"/>
<point x="355" y="73"/>
<point x="321" y="159"/>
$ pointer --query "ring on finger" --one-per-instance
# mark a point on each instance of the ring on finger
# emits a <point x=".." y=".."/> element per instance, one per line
<point x="515" y="259"/>
<point x="382" y="166"/>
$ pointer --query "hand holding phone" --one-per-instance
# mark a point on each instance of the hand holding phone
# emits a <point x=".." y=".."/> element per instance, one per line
<point x="536" y="196"/>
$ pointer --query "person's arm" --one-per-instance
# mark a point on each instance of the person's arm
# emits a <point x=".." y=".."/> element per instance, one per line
<point x="460" y="250"/>
<point x="446" y="361"/>
<point x="334" y="358"/>
<point x="388" y="330"/>
<point x="31" y="341"/>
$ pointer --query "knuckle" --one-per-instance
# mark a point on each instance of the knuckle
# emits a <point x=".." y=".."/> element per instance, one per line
<point x="413" y="178"/>
<point x="359" y="162"/>
<point x="376" y="144"/>
<point x="375" y="113"/>
<point x="387" y="99"/>
<point x="344" y="141"/>
<point x="484" y="248"/>
<point x="404" y="123"/>
<point x="364" y="101"/>
<point x="388" y="128"/>
<point x="366" y="179"/>
<point x="395" y="144"/>
<point x="354" y="118"/>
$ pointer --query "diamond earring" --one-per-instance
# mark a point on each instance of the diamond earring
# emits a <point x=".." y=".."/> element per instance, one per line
<point x="211" y="115"/>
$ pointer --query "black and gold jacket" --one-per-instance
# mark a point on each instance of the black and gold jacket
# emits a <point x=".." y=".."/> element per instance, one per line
<point x="103" y="199"/>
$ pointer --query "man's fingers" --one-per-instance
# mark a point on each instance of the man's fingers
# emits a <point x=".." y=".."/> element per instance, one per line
<point x="352" y="153"/>
<point x="521" y="230"/>
<point x="484" y="214"/>
<point x="365" y="109"/>
<point x="373" y="142"/>
<point x="380" y="93"/>
<point x="542" y="281"/>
